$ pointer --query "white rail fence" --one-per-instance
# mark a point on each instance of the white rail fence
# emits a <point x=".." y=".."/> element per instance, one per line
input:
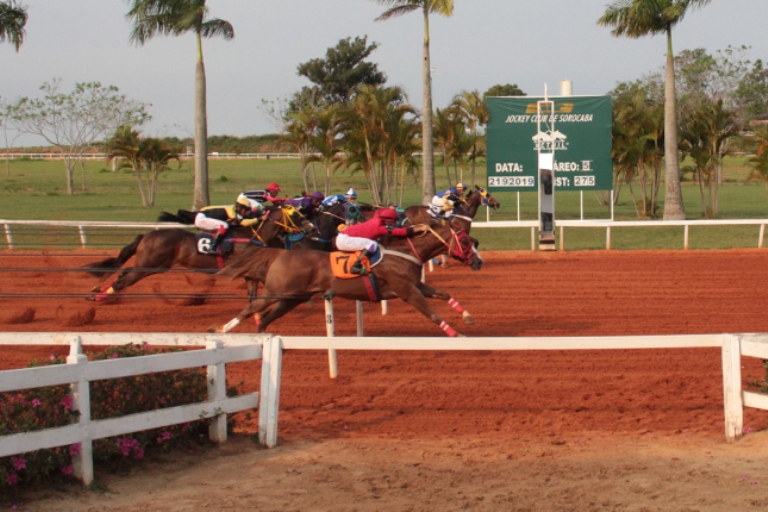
<point x="103" y="156"/>
<point x="224" y="348"/>
<point x="81" y="227"/>
<point x="79" y="372"/>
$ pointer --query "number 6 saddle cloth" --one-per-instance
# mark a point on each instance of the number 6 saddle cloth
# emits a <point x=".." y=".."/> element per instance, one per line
<point x="341" y="263"/>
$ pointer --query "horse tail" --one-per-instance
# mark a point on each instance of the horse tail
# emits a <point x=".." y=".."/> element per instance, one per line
<point x="109" y="266"/>
<point x="182" y="217"/>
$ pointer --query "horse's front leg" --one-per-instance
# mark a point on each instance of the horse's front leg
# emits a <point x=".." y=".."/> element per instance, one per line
<point x="415" y="298"/>
<point x="252" y="309"/>
<point x="434" y="293"/>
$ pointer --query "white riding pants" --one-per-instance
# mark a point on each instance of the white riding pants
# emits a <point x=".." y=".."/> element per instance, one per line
<point x="208" y="224"/>
<point x="355" y="243"/>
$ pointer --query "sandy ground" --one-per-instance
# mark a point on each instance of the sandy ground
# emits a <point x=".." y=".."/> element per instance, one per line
<point x="535" y="430"/>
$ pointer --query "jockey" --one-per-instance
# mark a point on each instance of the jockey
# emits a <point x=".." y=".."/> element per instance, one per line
<point x="362" y="237"/>
<point x="333" y="199"/>
<point x="219" y="219"/>
<point x="268" y="194"/>
<point x="445" y="201"/>
<point x="351" y="196"/>
<point x="256" y="207"/>
<point x="307" y="205"/>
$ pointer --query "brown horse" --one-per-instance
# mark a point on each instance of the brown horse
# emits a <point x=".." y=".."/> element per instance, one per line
<point x="292" y="277"/>
<point x="158" y="251"/>
<point x="466" y="210"/>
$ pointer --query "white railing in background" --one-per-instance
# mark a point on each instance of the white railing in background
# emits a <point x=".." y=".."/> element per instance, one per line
<point x="79" y="372"/>
<point x="103" y="156"/>
<point x="498" y="224"/>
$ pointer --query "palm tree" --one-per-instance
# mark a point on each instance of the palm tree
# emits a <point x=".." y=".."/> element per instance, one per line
<point x="471" y="107"/>
<point x="13" y="17"/>
<point x="298" y="132"/>
<point x="638" y="18"/>
<point x="444" y="8"/>
<point x="325" y="141"/>
<point x="176" y="17"/>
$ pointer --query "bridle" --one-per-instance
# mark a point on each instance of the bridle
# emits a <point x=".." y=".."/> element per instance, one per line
<point x="455" y="247"/>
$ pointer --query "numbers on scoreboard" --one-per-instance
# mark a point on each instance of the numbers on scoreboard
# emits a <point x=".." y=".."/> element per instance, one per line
<point x="584" y="181"/>
<point x="511" y="181"/>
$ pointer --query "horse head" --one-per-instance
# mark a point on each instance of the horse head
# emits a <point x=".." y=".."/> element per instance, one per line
<point x="329" y="218"/>
<point x="480" y="196"/>
<point x="464" y="248"/>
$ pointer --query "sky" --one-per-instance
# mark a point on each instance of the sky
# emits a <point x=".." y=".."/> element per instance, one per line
<point x="485" y="42"/>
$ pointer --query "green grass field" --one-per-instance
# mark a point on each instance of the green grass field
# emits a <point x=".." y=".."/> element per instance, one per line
<point x="35" y="190"/>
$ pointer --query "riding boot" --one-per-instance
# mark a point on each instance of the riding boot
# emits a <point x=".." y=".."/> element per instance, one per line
<point x="357" y="266"/>
<point x="217" y="241"/>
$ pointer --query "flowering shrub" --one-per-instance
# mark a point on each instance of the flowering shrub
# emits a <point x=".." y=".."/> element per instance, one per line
<point x="49" y="407"/>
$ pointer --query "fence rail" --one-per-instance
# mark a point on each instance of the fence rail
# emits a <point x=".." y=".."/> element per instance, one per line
<point x="79" y="372"/>
<point x="103" y="156"/>
<point x="533" y="225"/>
<point x="229" y="348"/>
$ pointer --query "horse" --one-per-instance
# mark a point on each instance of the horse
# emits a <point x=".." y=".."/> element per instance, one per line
<point x="158" y="251"/>
<point x="467" y="209"/>
<point x="327" y="221"/>
<point x="292" y="277"/>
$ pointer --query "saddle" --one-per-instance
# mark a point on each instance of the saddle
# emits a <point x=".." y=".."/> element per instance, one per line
<point x="341" y="262"/>
<point x="204" y="243"/>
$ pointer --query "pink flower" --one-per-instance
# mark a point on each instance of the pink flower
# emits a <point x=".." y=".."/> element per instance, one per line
<point x="114" y="356"/>
<point x="75" y="449"/>
<point x="138" y="453"/>
<point x="53" y="357"/>
<point x="19" y="463"/>
<point x="12" y="479"/>
<point x="36" y="403"/>
<point x="66" y="402"/>
<point x="67" y="470"/>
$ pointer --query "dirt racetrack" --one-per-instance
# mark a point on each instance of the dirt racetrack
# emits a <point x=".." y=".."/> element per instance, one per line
<point x="480" y="430"/>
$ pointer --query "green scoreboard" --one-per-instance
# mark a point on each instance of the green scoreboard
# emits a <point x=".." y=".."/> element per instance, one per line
<point x="578" y="130"/>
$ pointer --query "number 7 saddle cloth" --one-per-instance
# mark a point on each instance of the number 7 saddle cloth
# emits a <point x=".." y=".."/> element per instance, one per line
<point x="341" y="263"/>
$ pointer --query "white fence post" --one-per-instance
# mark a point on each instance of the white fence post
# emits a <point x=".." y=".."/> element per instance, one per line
<point x="217" y="390"/>
<point x="80" y="392"/>
<point x="330" y="331"/>
<point x="83" y="239"/>
<point x="269" y="400"/>
<point x="761" y="237"/>
<point x="359" y="310"/>
<point x="533" y="239"/>
<point x="685" y="238"/>
<point x="732" y="395"/>
<point x="608" y="238"/>
<point x="8" y="237"/>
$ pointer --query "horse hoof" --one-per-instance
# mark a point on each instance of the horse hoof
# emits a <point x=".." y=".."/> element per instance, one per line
<point x="459" y="335"/>
<point x="214" y="328"/>
<point x="469" y="320"/>
<point x="90" y="298"/>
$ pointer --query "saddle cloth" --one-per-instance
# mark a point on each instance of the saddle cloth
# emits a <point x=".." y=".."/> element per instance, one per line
<point x="341" y="262"/>
<point x="204" y="243"/>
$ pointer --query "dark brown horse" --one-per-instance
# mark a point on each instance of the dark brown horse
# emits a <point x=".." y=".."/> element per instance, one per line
<point x="292" y="277"/>
<point x="466" y="210"/>
<point x="159" y="251"/>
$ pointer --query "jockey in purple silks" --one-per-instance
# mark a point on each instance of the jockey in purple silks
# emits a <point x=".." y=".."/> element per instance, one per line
<point x="307" y="205"/>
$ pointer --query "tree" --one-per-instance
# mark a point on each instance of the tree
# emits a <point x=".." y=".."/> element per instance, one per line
<point x="504" y="90"/>
<point x="298" y="133"/>
<point x="177" y="17"/>
<point x="757" y="145"/>
<point x="444" y="8"/>
<point x="8" y="112"/>
<point x="13" y="17"/>
<point x="638" y="18"/>
<point x="341" y="71"/>
<point x="146" y="157"/>
<point x="75" y="121"/>
<point x="325" y="141"/>
<point x="471" y="108"/>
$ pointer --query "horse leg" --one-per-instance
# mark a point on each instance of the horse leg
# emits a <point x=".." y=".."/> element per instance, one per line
<point x="413" y="296"/>
<point x="434" y="293"/>
<point x="253" y="288"/>
<point x="278" y="310"/>
<point x="251" y="309"/>
<point x="128" y="277"/>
